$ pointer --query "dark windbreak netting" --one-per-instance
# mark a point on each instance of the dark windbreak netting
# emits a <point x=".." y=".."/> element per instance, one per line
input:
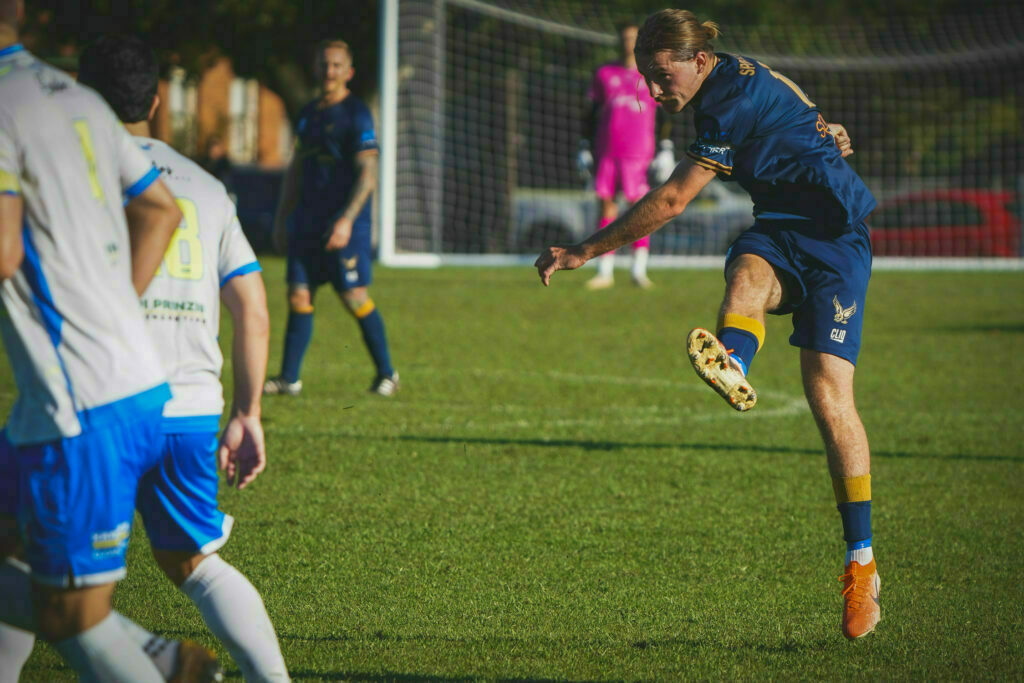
<point x="491" y="97"/>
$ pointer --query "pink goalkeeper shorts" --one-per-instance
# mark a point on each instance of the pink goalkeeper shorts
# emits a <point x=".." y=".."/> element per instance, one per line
<point x="627" y="174"/>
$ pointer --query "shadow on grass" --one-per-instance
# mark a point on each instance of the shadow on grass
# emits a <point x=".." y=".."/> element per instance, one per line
<point x="612" y="446"/>
<point x="689" y="645"/>
<point x="393" y="676"/>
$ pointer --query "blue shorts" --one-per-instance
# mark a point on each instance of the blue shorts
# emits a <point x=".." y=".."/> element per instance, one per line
<point x="311" y="265"/>
<point x="178" y="498"/>
<point x="828" y="281"/>
<point x="74" y="498"/>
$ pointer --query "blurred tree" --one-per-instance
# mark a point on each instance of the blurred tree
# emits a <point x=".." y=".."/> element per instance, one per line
<point x="272" y="40"/>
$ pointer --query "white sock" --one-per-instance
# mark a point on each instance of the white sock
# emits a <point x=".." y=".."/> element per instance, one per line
<point x="606" y="265"/>
<point x="861" y="556"/>
<point x="106" y="652"/>
<point x="234" y="612"/>
<point x="15" y="648"/>
<point x="640" y="262"/>
<point x="162" y="651"/>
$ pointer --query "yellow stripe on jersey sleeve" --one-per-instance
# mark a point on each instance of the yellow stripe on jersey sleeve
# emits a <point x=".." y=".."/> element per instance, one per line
<point x="9" y="183"/>
<point x="709" y="164"/>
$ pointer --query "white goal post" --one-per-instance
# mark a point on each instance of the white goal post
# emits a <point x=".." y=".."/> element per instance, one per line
<point x="481" y="105"/>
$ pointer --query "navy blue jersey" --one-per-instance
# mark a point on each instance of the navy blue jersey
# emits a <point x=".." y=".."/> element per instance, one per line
<point x="328" y="141"/>
<point x="755" y="126"/>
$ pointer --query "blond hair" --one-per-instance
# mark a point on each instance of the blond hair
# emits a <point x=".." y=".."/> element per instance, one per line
<point x="677" y="31"/>
<point x="333" y="42"/>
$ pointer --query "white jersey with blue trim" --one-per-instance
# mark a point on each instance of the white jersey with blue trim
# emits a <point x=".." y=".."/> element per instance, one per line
<point x="182" y="303"/>
<point x="70" y="317"/>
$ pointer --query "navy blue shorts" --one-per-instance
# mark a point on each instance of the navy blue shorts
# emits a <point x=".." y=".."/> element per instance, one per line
<point x="311" y="265"/>
<point x="829" y="281"/>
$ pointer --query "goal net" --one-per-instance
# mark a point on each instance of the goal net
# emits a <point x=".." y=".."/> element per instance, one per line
<point x="486" y="101"/>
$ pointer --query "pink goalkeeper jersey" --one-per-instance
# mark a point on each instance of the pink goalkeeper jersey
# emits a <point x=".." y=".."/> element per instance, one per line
<point x="625" y="125"/>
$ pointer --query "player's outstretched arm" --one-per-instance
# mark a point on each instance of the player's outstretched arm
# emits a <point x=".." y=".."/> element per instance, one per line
<point x="657" y="207"/>
<point x="12" y="247"/>
<point x="842" y="139"/>
<point x="242" y="454"/>
<point x="153" y="216"/>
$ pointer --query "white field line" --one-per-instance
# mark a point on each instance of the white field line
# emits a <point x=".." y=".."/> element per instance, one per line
<point x="785" y="407"/>
<point x="772" y="404"/>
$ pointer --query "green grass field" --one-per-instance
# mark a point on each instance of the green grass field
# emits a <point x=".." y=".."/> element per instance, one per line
<point x="555" y="496"/>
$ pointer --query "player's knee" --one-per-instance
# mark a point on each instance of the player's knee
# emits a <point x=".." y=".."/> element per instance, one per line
<point x="752" y="286"/>
<point x="358" y="302"/>
<point x="62" y="613"/>
<point x="177" y="565"/>
<point x="300" y="301"/>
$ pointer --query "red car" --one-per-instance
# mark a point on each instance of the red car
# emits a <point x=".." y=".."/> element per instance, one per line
<point x="947" y="223"/>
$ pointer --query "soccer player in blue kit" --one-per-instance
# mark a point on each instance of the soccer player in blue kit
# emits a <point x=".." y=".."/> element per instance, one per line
<point x="808" y="252"/>
<point x="328" y="184"/>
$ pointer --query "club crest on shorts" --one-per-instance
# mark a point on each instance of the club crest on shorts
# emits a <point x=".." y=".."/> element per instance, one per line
<point x="843" y="315"/>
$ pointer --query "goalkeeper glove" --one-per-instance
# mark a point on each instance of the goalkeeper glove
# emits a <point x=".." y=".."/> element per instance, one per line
<point x="663" y="164"/>
<point x="584" y="161"/>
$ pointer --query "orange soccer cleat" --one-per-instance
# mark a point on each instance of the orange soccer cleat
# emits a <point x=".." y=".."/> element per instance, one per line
<point x="861" y="609"/>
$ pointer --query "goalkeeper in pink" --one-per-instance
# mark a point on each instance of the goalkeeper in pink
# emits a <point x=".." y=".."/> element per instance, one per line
<point x="621" y="121"/>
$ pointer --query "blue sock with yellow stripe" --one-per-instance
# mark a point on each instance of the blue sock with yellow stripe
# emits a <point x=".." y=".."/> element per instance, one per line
<point x="853" y="499"/>
<point x="296" y="340"/>
<point x="742" y="336"/>
<point x="372" y="326"/>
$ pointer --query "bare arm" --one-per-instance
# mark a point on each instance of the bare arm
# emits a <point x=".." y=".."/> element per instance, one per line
<point x="242" y="452"/>
<point x="153" y="216"/>
<point x="12" y="248"/>
<point x="658" y="206"/>
<point x="364" y="187"/>
<point x="286" y="202"/>
<point x="367" y="183"/>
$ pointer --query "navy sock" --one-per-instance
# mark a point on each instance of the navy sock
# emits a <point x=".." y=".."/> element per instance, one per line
<point x="856" y="523"/>
<point x="296" y="340"/>
<point x="372" y="326"/>
<point x="743" y="345"/>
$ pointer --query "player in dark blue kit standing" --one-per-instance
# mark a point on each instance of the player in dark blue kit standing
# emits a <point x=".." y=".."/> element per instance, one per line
<point x="324" y="217"/>
<point x="808" y="252"/>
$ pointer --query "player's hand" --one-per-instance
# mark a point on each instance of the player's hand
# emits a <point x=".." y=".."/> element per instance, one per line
<point x="842" y="138"/>
<point x="584" y="161"/>
<point x="558" y="258"/>
<point x="663" y="164"/>
<point x="242" y="454"/>
<point x="339" y="237"/>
